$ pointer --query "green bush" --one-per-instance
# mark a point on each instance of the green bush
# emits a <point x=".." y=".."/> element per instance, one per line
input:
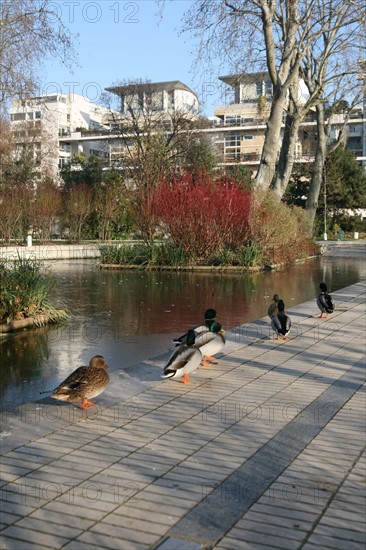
<point x="280" y="232"/>
<point x="225" y="257"/>
<point x="136" y="254"/>
<point x="170" y="254"/>
<point x="25" y="287"/>
<point x="250" y="255"/>
<point x="144" y="254"/>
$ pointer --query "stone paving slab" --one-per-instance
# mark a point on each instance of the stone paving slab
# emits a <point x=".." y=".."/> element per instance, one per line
<point x="264" y="450"/>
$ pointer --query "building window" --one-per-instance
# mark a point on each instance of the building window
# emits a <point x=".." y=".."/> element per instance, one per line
<point x="65" y="147"/>
<point x="171" y="100"/>
<point x="17" y="116"/>
<point x="233" y="140"/>
<point x="268" y="88"/>
<point x="232" y="120"/>
<point x="237" y="93"/>
<point x="247" y="137"/>
<point x="259" y="88"/>
<point x="62" y="162"/>
<point x="37" y="114"/>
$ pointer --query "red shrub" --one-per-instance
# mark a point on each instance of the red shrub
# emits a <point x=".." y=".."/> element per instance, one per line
<point x="203" y="216"/>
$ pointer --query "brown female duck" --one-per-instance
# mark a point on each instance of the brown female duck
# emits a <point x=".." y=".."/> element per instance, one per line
<point x="84" y="383"/>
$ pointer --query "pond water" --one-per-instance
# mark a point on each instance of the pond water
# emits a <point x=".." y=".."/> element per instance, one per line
<point x="131" y="316"/>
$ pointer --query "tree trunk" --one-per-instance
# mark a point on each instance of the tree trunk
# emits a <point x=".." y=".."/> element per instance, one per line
<point x="287" y="154"/>
<point x="317" y="174"/>
<point x="271" y="147"/>
<point x="286" y="160"/>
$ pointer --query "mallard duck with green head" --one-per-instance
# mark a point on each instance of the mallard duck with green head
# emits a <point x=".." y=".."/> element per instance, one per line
<point x="211" y="342"/>
<point x="281" y="323"/>
<point x="324" y="301"/>
<point x="84" y="383"/>
<point x="185" y="359"/>
<point x="209" y="315"/>
<point x="273" y="306"/>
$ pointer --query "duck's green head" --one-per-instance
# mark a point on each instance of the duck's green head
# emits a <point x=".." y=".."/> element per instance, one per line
<point x="215" y="327"/>
<point x="210" y="314"/>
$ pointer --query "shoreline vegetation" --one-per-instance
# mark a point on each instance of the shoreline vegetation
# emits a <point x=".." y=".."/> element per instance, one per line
<point x="25" y="288"/>
<point x="169" y="257"/>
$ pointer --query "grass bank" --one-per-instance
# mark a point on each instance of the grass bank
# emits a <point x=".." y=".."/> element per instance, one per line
<point x="168" y="256"/>
<point x="25" y="289"/>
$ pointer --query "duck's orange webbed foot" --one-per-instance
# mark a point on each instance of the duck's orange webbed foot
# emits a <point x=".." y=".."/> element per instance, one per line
<point x="86" y="404"/>
<point x="185" y="379"/>
<point x="320" y="316"/>
<point x="205" y="362"/>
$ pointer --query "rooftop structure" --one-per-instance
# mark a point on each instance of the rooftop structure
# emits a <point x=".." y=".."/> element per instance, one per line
<point x="157" y="96"/>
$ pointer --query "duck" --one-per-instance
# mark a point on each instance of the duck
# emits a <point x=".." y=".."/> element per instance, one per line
<point x="84" y="383"/>
<point x="185" y="359"/>
<point x="209" y="316"/>
<point x="281" y="323"/>
<point x="211" y="342"/>
<point x="324" y="301"/>
<point x="273" y="307"/>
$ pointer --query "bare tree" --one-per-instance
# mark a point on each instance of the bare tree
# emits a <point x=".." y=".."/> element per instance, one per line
<point x="14" y="204"/>
<point x="266" y="34"/>
<point x="110" y="198"/>
<point x="249" y="35"/>
<point x="151" y="137"/>
<point x="30" y="30"/>
<point x="78" y="204"/>
<point x="330" y="68"/>
<point x="152" y="140"/>
<point x="45" y="208"/>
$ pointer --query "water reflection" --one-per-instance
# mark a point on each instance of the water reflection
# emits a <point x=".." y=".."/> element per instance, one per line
<point x="131" y="316"/>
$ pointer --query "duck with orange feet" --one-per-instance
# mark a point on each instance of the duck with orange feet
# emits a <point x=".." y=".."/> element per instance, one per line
<point x="84" y="383"/>
<point x="281" y="323"/>
<point x="185" y="359"/>
<point x="211" y="342"/>
<point x="324" y="301"/>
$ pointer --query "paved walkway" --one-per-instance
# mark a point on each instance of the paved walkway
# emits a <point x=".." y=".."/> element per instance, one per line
<point x="265" y="450"/>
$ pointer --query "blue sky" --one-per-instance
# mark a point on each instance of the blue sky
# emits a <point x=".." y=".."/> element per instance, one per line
<point x="121" y="40"/>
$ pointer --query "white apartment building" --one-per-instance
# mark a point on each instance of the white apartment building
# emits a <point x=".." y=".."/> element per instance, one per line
<point x="42" y="122"/>
<point x="62" y="125"/>
<point x="239" y="127"/>
<point x="152" y="104"/>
